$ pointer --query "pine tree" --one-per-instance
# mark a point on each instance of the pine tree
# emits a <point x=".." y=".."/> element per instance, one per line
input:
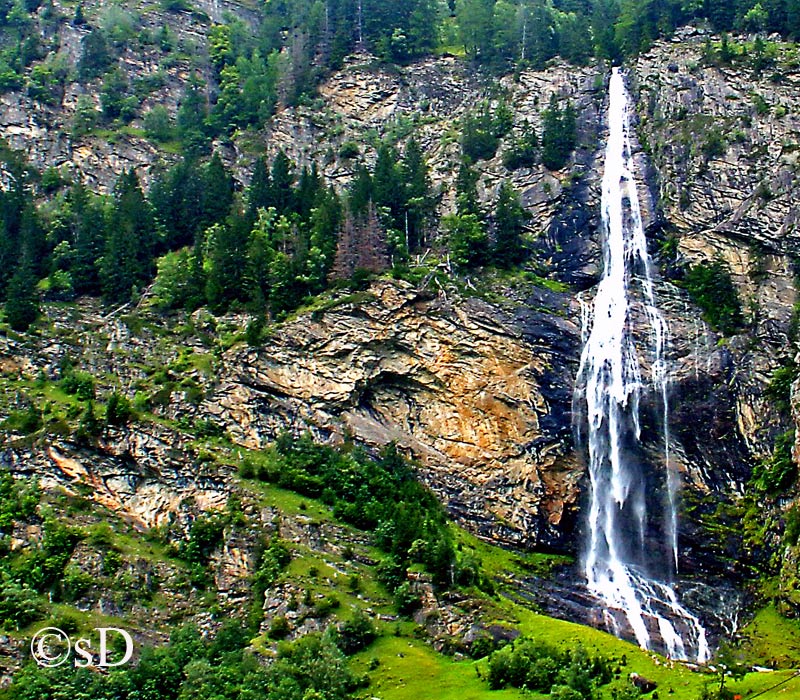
<point x="192" y="120"/>
<point x="282" y="176"/>
<point x="260" y="254"/>
<point x="423" y="26"/>
<point x="361" y="245"/>
<point x="509" y="219"/>
<point x="89" y="232"/>
<point x="558" y="134"/>
<point x="325" y="221"/>
<point x="96" y="57"/>
<point x="177" y="200"/>
<point x="128" y="257"/>
<point x="308" y="187"/>
<point x="467" y="190"/>
<point x="260" y="191"/>
<point x="475" y="25"/>
<point x="22" y="300"/>
<point x="226" y="263"/>
<point x="217" y="191"/>
<point x="361" y="191"/>
<point x="387" y="189"/>
<point x="417" y="195"/>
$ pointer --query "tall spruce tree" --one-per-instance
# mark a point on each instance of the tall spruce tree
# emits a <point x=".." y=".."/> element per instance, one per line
<point x="22" y="300"/>
<point x="509" y="220"/>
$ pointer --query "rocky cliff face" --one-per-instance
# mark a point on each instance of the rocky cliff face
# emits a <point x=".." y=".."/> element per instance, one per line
<point x="722" y="141"/>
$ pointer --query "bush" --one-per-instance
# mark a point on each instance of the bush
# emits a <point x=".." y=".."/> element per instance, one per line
<point x="158" y="126"/>
<point x="380" y="495"/>
<point x="349" y="150"/>
<point x="205" y="535"/>
<point x="779" y="388"/>
<point x="711" y="288"/>
<point x="279" y="628"/>
<point x="19" y="605"/>
<point x="356" y="634"/>
<point x="75" y="583"/>
<point x="777" y="473"/>
<point x="79" y="384"/>
<point x="541" y="667"/>
<point x="23" y="422"/>
<point x="118" y="410"/>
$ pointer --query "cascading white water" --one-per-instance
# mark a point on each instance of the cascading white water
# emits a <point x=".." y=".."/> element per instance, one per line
<point x="608" y="391"/>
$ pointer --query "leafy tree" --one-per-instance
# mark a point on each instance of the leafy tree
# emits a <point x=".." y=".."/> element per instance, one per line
<point x="179" y="283"/>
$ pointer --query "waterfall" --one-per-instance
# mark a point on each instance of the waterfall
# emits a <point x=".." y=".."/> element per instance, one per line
<point x="630" y="582"/>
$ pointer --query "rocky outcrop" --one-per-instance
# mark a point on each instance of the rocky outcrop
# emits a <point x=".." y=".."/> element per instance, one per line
<point x="454" y="384"/>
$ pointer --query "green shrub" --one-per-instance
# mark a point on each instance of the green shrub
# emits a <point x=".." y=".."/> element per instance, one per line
<point x="779" y="388"/>
<point x="75" y="583"/>
<point x="19" y="605"/>
<point x="356" y="633"/>
<point x="279" y="628"/>
<point x="349" y="150"/>
<point x="205" y="535"/>
<point x="158" y="125"/>
<point x="79" y="384"/>
<point x="118" y="410"/>
<point x="711" y="288"/>
<point x="543" y="668"/>
<point x="777" y="473"/>
<point x="24" y="422"/>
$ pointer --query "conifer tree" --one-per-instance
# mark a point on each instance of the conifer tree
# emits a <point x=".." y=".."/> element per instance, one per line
<point x="282" y="177"/>
<point x="89" y="230"/>
<point x="509" y="219"/>
<point x="217" y="191"/>
<point x="558" y="134"/>
<point x="22" y="300"/>
<point x="260" y="190"/>
<point x="467" y="190"/>
<point x="128" y="257"/>
<point x="387" y="189"/>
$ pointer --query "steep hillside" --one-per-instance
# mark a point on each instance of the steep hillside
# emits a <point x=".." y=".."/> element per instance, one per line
<point x="255" y="292"/>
